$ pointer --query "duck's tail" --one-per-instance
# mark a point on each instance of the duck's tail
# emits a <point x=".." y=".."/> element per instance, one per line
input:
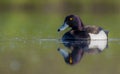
<point x="106" y="32"/>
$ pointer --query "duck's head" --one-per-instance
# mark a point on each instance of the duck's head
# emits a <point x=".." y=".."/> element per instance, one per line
<point x="72" y="21"/>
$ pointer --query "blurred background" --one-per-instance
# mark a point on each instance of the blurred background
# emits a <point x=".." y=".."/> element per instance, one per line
<point x="23" y="23"/>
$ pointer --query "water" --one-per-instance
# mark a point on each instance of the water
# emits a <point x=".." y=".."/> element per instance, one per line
<point x="20" y="55"/>
<point x="29" y="40"/>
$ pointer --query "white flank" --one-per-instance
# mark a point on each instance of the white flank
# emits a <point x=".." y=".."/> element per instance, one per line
<point x="100" y="36"/>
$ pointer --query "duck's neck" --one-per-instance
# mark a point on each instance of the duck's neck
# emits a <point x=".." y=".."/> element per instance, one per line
<point x="80" y="25"/>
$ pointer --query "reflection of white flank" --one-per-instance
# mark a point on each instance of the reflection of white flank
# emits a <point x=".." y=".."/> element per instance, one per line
<point x="100" y="36"/>
<point x="100" y="44"/>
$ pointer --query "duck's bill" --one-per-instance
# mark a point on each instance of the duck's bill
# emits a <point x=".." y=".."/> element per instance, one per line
<point x="63" y="27"/>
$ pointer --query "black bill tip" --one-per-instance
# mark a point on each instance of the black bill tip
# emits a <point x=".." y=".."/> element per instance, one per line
<point x="58" y="30"/>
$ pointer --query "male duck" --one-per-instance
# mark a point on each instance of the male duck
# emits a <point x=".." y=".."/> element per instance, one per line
<point x="80" y="31"/>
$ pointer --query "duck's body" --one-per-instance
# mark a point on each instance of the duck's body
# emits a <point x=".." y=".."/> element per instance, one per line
<point x="85" y="40"/>
<point x="81" y="39"/>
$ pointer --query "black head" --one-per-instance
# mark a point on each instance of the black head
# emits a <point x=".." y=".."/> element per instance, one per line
<point x="72" y="21"/>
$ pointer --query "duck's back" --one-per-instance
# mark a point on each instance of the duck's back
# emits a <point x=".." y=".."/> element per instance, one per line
<point x="92" y="29"/>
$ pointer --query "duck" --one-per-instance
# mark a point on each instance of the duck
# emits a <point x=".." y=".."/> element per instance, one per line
<point x="80" y="31"/>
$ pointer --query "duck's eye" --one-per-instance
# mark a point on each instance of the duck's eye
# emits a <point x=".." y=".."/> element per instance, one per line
<point x="70" y="60"/>
<point x="71" y="19"/>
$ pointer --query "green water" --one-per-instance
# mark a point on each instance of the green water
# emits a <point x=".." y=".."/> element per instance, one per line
<point x="28" y="43"/>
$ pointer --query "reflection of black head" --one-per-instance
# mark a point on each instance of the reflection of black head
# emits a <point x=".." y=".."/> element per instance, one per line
<point x="74" y="57"/>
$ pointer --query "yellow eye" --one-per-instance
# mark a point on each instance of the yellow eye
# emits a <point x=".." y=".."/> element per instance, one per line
<point x="71" y="19"/>
<point x="70" y="60"/>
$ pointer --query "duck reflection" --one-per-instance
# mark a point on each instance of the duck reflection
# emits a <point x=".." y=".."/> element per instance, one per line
<point x="81" y="38"/>
<point x="80" y="46"/>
